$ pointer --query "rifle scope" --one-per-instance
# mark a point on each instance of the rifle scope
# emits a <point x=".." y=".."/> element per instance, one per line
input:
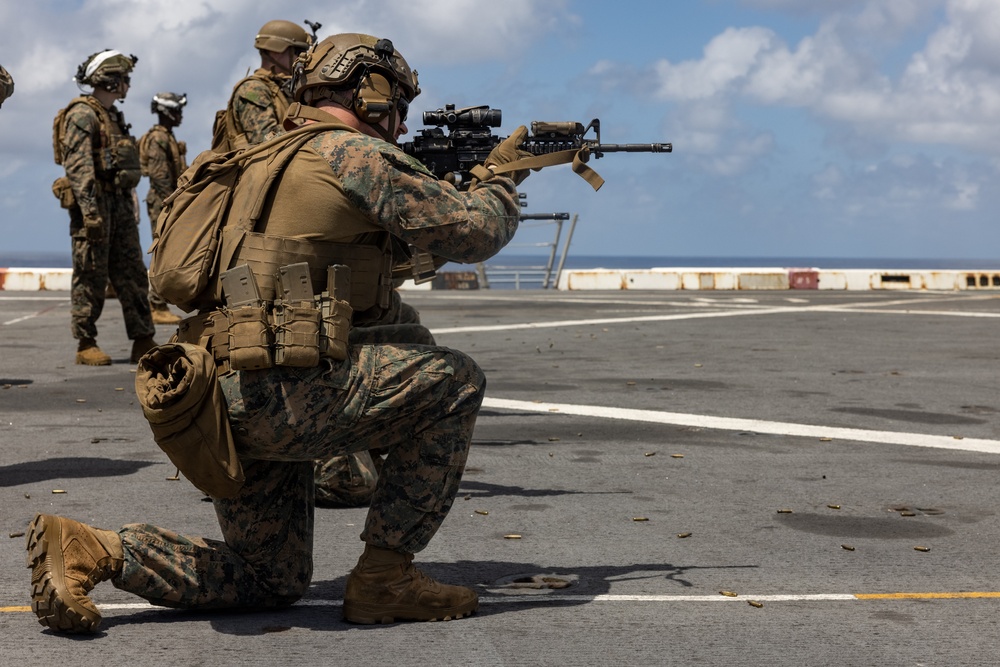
<point x="481" y="116"/>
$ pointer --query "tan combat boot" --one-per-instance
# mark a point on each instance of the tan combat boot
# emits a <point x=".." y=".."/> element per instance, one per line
<point x="384" y="587"/>
<point x="67" y="559"/>
<point x="141" y="346"/>
<point x="162" y="315"/>
<point x="88" y="354"/>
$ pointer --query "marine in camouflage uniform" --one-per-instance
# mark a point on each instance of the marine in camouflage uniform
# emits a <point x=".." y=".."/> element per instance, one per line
<point x="256" y="103"/>
<point x="256" y="109"/>
<point x="6" y="85"/>
<point x="419" y="401"/>
<point x="103" y="215"/>
<point x="259" y="101"/>
<point x="163" y="159"/>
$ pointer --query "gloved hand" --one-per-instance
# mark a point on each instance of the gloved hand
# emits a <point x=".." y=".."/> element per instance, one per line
<point x="509" y="150"/>
<point x="93" y="228"/>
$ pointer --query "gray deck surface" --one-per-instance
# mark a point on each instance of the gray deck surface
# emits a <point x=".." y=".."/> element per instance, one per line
<point x="851" y="409"/>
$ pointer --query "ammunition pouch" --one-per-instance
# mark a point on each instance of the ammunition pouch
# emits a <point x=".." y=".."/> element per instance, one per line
<point x="335" y="329"/>
<point x="250" y="338"/>
<point x="296" y="334"/>
<point x="118" y="164"/>
<point x="63" y="191"/>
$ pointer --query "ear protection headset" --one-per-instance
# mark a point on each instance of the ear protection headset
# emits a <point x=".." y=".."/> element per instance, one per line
<point x="373" y="97"/>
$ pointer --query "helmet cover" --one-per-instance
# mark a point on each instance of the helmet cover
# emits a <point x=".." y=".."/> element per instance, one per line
<point x="105" y="69"/>
<point x="169" y="104"/>
<point x="276" y="36"/>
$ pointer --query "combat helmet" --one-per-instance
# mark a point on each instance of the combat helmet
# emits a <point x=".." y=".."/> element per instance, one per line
<point x="279" y="35"/>
<point x="105" y="69"/>
<point x="361" y="72"/>
<point x="170" y="105"/>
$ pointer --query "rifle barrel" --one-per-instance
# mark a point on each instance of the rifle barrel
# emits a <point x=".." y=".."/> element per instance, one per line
<point x="545" y="216"/>
<point x="632" y="148"/>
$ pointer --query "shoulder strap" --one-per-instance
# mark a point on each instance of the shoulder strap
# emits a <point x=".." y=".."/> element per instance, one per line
<point x="59" y="124"/>
<point x="297" y="115"/>
<point x="281" y="102"/>
<point x="144" y="143"/>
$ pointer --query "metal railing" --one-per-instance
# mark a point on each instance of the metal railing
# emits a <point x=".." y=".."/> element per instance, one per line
<point x="542" y="276"/>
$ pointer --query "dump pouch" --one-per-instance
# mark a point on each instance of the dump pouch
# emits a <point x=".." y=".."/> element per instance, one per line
<point x="178" y="389"/>
<point x="63" y="191"/>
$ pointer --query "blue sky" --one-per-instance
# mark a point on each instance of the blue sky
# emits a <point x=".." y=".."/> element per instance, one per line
<point x="801" y="128"/>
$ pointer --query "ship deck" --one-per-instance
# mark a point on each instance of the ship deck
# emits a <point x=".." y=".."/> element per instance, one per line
<point x="827" y="458"/>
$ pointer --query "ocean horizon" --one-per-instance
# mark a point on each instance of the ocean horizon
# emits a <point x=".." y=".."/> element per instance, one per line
<point x="524" y="261"/>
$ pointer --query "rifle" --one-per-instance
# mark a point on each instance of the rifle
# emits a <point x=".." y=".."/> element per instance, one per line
<point x="470" y="140"/>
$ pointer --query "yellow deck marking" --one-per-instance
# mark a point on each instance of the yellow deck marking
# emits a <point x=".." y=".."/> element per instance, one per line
<point x="607" y="597"/>
<point x="927" y="596"/>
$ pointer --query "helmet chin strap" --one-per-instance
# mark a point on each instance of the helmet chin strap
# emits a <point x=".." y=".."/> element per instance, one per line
<point x="388" y="135"/>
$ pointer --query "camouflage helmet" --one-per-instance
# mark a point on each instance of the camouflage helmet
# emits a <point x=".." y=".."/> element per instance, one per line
<point x="340" y="61"/>
<point x="105" y="69"/>
<point x="170" y="105"/>
<point x="279" y="35"/>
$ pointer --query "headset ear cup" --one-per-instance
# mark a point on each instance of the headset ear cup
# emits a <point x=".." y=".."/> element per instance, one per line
<point x="373" y="101"/>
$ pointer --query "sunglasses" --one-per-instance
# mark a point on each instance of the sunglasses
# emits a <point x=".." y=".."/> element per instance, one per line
<point x="403" y="108"/>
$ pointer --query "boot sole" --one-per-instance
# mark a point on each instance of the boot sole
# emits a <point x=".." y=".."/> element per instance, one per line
<point x="364" y="614"/>
<point x="81" y="362"/>
<point x="54" y="608"/>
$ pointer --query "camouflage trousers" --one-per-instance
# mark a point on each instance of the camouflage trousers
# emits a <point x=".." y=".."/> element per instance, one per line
<point x="116" y="257"/>
<point x="348" y="480"/>
<point x="153" y="206"/>
<point x="420" y="402"/>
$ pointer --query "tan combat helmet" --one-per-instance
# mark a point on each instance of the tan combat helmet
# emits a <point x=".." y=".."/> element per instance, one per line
<point x="105" y="69"/>
<point x="6" y="85"/>
<point x="170" y="105"/>
<point x="279" y="35"/>
<point x="342" y="61"/>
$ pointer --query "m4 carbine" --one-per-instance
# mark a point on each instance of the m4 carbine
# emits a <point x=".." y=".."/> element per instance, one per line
<point x="470" y="140"/>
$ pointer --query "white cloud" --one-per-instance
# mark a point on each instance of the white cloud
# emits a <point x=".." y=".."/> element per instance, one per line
<point x="728" y="59"/>
<point x="948" y="92"/>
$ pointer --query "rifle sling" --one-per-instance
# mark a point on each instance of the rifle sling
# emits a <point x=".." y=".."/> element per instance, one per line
<point x="578" y="158"/>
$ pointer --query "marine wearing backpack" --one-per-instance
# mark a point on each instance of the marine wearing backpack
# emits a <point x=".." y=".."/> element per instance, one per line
<point x="259" y="101"/>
